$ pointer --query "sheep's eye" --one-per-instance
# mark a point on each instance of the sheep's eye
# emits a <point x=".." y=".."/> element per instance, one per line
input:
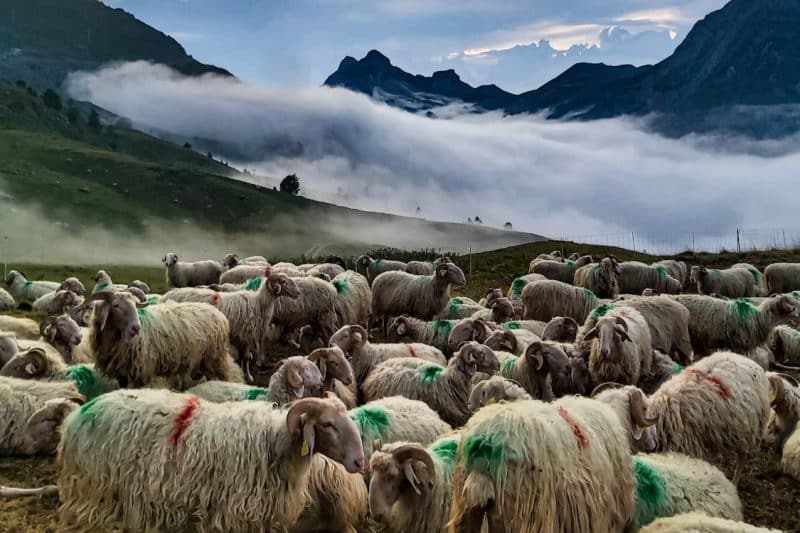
<point x="332" y="363"/>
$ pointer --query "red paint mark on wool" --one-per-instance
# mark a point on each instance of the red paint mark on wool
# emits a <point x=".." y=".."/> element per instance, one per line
<point x="184" y="418"/>
<point x="215" y="299"/>
<point x="411" y="350"/>
<point x="722" y="388"/>
<point x="576" y="430"/>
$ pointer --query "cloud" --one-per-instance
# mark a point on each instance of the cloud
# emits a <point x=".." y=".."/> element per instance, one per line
<point x="552" y="178"/>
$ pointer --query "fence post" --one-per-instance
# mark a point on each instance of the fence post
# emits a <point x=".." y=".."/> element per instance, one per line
<point x="784" y="238"/>
<point x="633" y="241"/>
<point x="470" y="260"/>
<point x="738" y="242"/>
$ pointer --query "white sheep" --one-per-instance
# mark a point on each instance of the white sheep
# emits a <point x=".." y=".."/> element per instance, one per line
<point x="371" y="268"/>
<point x="784" y="343"/>
<point x="781" y="278"/>
<point x="676" y="269"/>
<point x="55" y="303"/>
<point x="244" y="273"/>
<point x="353" y="298"/>
<point x="701" y="523"/>
<point x="495" y="389"/>
<point x="558" y="270"/>
<point x="23" y="328"/>
<point x="25" y="291"/>
<point x="731" y="283"/>
<point x="337" y="374"/>
<point x="177" y="462"/>
<point x="635" y="277"/>
<point x="32" y="413"/>
<point x="225" y="391"/>
<point x="409" y="329"/>
<point x="103" y="282"/>
<point x="68" y="338"/>
<point x="445" y="389"/>
<point x="543" y="300"/>
<point x="602" y="278"/>
<point x="419" y="268"/>
<point x="183" y="274"/>
<point x="622" y="349"/>
<point x="315" y="306"/>
<point x="7" y="302"/>
<point x="294" y="377"/>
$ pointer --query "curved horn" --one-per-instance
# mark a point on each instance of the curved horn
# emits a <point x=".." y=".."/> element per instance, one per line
<point x="785" y="367"/>
<point x="364" y="335"/>
<point x="294" y="417"/>
<point x="605" y="386"/>
<point x="778" y="389"/>
<point x="790" y="379"/>
<point x="415" y="453"/>
<point x="293" y="377"/>
<point x="639" y="410"/>
<point x="38" y="364"/>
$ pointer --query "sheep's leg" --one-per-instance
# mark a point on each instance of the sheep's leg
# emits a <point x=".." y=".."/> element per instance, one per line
<point x="14" y="492"/>
<point x="248" y="376"/>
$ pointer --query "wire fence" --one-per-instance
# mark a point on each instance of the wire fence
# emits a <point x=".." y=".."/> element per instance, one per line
<point x="663" y="243"/>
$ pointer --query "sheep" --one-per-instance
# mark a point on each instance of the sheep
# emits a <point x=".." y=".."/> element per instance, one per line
<point x="445" y="389"/>
<point x="583" y="480"/>
<point x="500" y="310"/>
<point x="635" y="277"/>
<point x="515" y="290"/>
<point x="24" y="291"/>
<point x="244" y="273"/>
<point x="32" y="413"/>
<point x="559" y="372"/>
<point x="176" y="462"/>
<point x="758" y="277"/>
<point x="337" y="374"/>
<point x="470" y="329"/>
<point x="34" y="363"/>
<point x="66" y="336"/>
<point x="662" y="369"/>
<point x="294" y="377"/>
<point x="493" y="390"/>
<point x="790" y="459"/>
<point x="176" y="342"/>
<point x="675" y="269"/>
<point x="781" y="278"/>
<point x="371" y="268"/>
<point x="671" y="483"/>
<point x="316" y="306"/>
<point x="735" y="325"/>
<point x="410" y="485"/>
<point x="558" y="329"/>
<point x="555" y="255"/>
<point x="250" y="314"/>
<point x="184" y="274"/>
<point x="784" y="343"/>
<point x="23" y="328"/>
<point x="785" y="413"/>
<point x="718" y="405"/>
<point x="536" y="327"/>
<point x="459" y="307"/>
<point x="558" y="270"/>
<point x="141" y="285"/>
<point x="543" y="300"/>
<point x="667" y="319"/>
<point x="731" y="283"/>
<point x="636" y="417"/>
<point x="419" y="268"/>
<point x="7" y="302"/>
<point x="225" y="391"/>
<point x="701" y="523"/>
<point x="353" y="298"/>
<point x="514" y="341"/>
<point x="364" y="356"/>
<point x="409" y="329"/>
<point x="622" y="349"/>
<point x="602" y="279"/>
<point x="424" y="297"/>
<point x="329" y="269"/>
<point x="397" y="418"/>
<point x="103" y="282"/>
<point x="532" y="373"/>
<point x="55" y="303"/>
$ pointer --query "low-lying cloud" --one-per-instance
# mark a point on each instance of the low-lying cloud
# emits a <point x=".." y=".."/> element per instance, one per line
<point x="546" y="177"/>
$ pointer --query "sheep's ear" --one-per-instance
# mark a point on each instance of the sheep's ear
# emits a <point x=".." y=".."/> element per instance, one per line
<point x="591" y="334"/>
<point x="43" y="425"/>
<point x="788" y="304"/>
<point x="307" y="446"/>
<point x="401" y="328"/>
<point x="51" y="332"/>
<point x="323" y="367"/>
<point x="622" y="333"/>
<point x="411" y="476"/>
<point x="103" y="310"/>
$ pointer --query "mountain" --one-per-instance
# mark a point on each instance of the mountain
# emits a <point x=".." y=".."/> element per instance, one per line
<point x="374" y="75"/>
<point x="41" y="41"/>
<point x="730" y="72"/>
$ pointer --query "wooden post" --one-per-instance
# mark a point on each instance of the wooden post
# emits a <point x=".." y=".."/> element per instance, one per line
<point x="738" y="242"/>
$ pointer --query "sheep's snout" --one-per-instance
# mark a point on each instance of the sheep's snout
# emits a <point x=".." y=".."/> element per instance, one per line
<point x="133" y="330"/>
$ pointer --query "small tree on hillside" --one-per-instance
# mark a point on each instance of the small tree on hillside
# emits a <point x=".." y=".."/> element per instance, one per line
<point x="508" y="226"/>
<point x="291" y="184"/>
<point x="51" y="99"/>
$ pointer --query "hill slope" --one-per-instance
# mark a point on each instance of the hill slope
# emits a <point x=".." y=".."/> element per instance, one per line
<point x="43" y="40"/>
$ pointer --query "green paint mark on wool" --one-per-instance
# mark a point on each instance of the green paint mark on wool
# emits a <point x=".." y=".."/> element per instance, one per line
<point x="484" y="454"/>
<point x="431" y="373"/>
<point x="744" y="309"/>
<point x="89" y="411"/>
<point x="601" y="310"/>
<point x="650" y="492"/>
<point x="378" y="262"/>
<point x="252" y="284"/>
<point x="676" y="369"/>
<point x="100" y="287"/>
<point x="507" y="367"/>
<point x="256" y="393"/>
<point x="756" y="275"/>
<point x="370" y="420"/>
<point x="84" y="378"/>
<point x="511" y="325"/>
<point x="588" y="293"/>
<point x="443" y="327"/>
<point x="517" y="285"/>
<point x="151" y="300"/>
<point x="445" y="450"/>
<point x="341" y="286"/>
<point x="457" y="301"/>
<point x="661" y="271"/>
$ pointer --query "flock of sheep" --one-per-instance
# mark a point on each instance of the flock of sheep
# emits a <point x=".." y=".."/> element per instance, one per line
<point x="589" y="396"/>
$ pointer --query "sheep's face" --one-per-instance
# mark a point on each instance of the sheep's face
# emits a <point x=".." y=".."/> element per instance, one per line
<point x="608" y="335"/>
<point x="579" y="375"/>
<point x="399" y="329"/>
<point x="364" y="261"/>
<point x="333" y="364"/>
<point x="783" y="416"/>
<point x="502" y="310"/>
<point x="492" y="295"/>
<point x="560" y="329"/>
<point x="323" y="426"/>
<point x="303" y="376"/>
<point x="230" y="261"/>
<point x="12" y="277"/>
<point x="170" y="259"/>
<point x="42" y="433"/>
<point x="74" y="285"/>
<point x="396" y="470"/>
<point x="29" y="364"/>
<point x="451" y="274"/>
<point x="502" y="340"/>
<point x="487" y="392"/>
<point x="698" y="273"/>
<point x="8" y="348"/>
<point x="119" y="310"/>
<point x="64" y="330"/>
<point x="65" y="300"/>
<point x="141" y="285"/>
<point x="476" y="357"/>
<point x="281" y="285"/>
<point x="465" y="331"/>
<point x="778" y="427"/>
<point x="349" y="339"/>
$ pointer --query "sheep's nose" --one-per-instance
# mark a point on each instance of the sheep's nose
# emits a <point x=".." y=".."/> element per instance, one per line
<point x="359" y="463"/>
<point x="604" y="352"/>
<point x="134" y="330"/>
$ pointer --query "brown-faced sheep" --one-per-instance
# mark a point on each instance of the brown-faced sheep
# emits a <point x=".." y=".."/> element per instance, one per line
<point x="543" y="300"/>
<point x="316" y="306"/>
<point x="622" y="350"/>
<point x="66" y="336"/>
<point x="470" y="329"/>
<point x="244" y="273"/>
<point x="409" y="329"/>
<point x="55" y="303"/>
<point x="514" y="341"/>
<point x="600" y="278"/>
<point x="445" y="389"/>
<point x="184" y="274"/>
<point x="337" y="374"/>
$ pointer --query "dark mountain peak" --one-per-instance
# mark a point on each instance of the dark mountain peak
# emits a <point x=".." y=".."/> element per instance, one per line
<point x="347" y="62"/>
<point x="448" y="74"/>
<point x="374" y="57"/>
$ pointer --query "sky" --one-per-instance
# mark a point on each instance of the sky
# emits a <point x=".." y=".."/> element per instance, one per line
<point x="515" y="44"/>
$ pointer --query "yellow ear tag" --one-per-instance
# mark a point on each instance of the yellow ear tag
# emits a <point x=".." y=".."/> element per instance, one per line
<point x="772" y="396"/>
<point x="304" y="449"/>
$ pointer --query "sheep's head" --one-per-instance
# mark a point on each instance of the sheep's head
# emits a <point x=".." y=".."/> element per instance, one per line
<point x="609" y="332"/>
<point x="230" y="261"/>
<point x="634" y="412"/>
<point x="141" y="285"/>
<point x="650" y="292"/>
<point x="321" y="425"/>
<point x="493" y="390"/>
<point x="475" y="357"/>
<point x="102" y="276"/>
<point x="582" y="260"/>
<point x="493" y="294"/>
<point x="332" y="364"/>
<point x="784" y="307"/>
<point x="546" y="357"/>
<point x="118" y="310"/>
<point x="579" y="375"/>
<point x="14" y="276"/>
<point x="315" y="273"/>
<point x="502" y="309"/>
<point x="349" y="338"/>
<point x="561" y="329"/>
<point x="140" y="296"/>
<point x="28" y="364"/>
<point x="281" y="285"/>
<point x="42" y="433"/>
<point x="170" y="259"/>
<point x="65" y="300"/>
<point x="575" y="255"/>
<point x="395" y="469"/>
<point x="556" y="253"/>
<point x="698" y="273"/>
<point x="8" y="347"/>
<point x="784" y="415"/>
<point x="364" y="261"/>
<point x="399" y="328"/>
<point x="502" y="340"/>
<point x="449" y="273"/>
<point x="74" y="285"/>
<point x="336" y="260"/>
<point x="469" y="329"/>
<point x="62" y="329"/>
<point x="302" y="376"/>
